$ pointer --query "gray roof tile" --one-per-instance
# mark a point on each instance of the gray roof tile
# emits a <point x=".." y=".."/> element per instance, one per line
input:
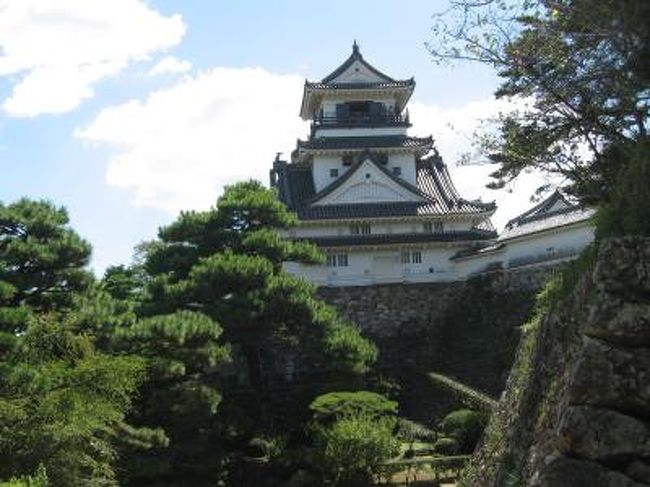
<point x="296" y="189"/>
<point x="402" y="238"/>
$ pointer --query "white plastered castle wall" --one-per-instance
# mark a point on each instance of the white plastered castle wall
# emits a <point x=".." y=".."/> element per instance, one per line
<point x="322" y="166"/>
<point x="558" y="241"/>
<point x="555" y="244"/>
<point x="368" y="185"/>
<point x="382" y="266"/>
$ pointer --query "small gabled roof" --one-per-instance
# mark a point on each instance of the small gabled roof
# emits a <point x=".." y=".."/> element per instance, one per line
<point x="355" y="56"/>
<point x="554" y="203"/>
<point x="332" y="84"/>
<point x="555" y="211"/>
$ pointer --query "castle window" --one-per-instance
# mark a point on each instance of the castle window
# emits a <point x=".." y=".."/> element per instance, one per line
<point x="337" y="260"/>
<point x="439" y="227"/>
<point x="360" y="229"/>
<point x="427" y="227"/>
<point x="347" y="160"/>
<point x="406" y="257"/>
<point x="416" y="257"/>
<point x="334" y="173"/>
<point x="397" y="171"/>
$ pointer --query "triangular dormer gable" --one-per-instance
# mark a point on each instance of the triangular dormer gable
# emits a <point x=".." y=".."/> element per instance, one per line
<point x="356" y="69"/>
<point x="367" y="182"/>
<point x="554" y="204"/>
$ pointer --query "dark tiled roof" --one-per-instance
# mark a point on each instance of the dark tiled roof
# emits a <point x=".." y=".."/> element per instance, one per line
<point x="403" y="83"/>
<point x="361" y="143"/>
<point x="403" y="238"/>
<point x="555" y="211"/>
<point x="552" y="220"/>
<point x="296" y="189"/>
<point x="355" y="56"/>
<point x="543" y="209"/>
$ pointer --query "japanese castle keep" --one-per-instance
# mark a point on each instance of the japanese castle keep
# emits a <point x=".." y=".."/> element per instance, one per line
<point x="381" y="204"/>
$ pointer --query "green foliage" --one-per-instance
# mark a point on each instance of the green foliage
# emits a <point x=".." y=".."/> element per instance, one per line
<point x="580" y="65"/>
<point x="41" y="258"/>
<point x="411" y="431"/>
<point x="335" y="405"/>
<point x="123" y="283"/>
<point x="60" y="397"/>
<point x="352" y="450"/>
<point x="628" y="210"/>
<point x="446" y="446"/>
<point x="217" y="270"/>
<point x="39" y="479"/>
<point x="465" y="426"/>
<point x="59" y="400"/>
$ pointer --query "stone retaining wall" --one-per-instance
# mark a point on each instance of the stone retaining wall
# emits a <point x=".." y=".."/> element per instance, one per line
<point x="387" y="310"/>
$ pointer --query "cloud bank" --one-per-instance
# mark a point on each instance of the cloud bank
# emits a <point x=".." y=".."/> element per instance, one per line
<point x="180" y="146"/>
<point x="56" y="51"/>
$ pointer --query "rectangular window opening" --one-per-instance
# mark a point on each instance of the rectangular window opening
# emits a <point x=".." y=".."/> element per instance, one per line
<point x="360" y="229"/>
<point x="337" y="260"/>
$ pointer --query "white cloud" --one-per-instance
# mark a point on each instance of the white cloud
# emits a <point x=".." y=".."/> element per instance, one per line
<point x="170" y="65"/>
<point x="56" y="51"/>
<point x="180" y="146"/>
<point x="453" y="130"/>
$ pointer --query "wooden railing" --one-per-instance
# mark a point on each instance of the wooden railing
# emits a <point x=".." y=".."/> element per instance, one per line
<point x="362" y="120"/>
<point x="466" y="395"/>
<point x="413" y="471"/>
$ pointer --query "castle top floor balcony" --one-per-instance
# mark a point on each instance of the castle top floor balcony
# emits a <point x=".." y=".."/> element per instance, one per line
<point x="360" y="120"/>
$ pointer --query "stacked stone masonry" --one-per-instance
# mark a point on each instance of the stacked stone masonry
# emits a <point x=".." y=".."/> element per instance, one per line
<point x="582" y="416"/>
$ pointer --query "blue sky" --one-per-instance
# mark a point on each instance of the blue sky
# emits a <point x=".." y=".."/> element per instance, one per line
<point x="127" y="111"/>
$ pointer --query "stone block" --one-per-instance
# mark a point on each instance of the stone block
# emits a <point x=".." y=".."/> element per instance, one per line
<point x="602" y="435"/>
<point x="611" y="377"/>
<point x="627" y="323"/>
<point x="562" y="471"/>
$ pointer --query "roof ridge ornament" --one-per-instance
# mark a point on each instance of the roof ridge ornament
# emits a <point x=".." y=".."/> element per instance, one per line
<point x="355" y="48"/>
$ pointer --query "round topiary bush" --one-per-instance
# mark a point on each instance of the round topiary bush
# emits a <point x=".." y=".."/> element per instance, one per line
<point x="465" y="426"/>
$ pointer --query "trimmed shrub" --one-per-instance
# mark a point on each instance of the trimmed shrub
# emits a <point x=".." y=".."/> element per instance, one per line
<point x="351" y="451"/>
<point x="335" y="405"/>
<point x="465" y="426"/>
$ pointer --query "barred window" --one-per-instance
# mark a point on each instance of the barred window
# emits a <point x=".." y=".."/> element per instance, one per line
<point x="337" y="260"/>
<point x="360" y="229"/>
<point x="416" y="257"/>
<point x="406" y="257"/>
